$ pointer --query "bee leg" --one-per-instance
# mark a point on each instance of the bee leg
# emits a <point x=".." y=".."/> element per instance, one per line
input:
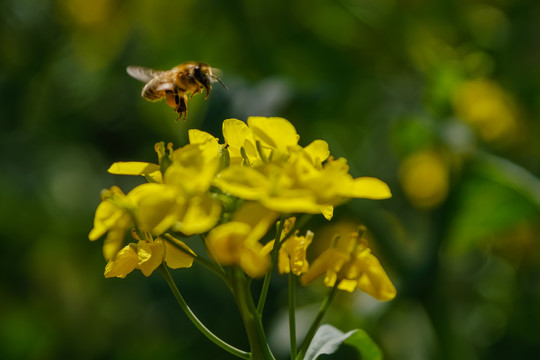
<point x="207" y="88"/>
<point x="181" y="108"/>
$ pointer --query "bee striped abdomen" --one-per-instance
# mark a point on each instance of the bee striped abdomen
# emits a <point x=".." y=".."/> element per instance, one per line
<point x="151" y="92"/>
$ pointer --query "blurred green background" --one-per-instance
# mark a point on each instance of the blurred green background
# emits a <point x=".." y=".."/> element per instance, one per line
<point x="440" y="99"/>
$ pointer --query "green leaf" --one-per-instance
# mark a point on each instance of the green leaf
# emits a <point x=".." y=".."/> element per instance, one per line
<point x="328" y="339"/>
<point x="362" y="342"/>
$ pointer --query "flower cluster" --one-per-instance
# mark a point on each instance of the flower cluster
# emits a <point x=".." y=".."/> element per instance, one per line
<point x="232" y="194"/>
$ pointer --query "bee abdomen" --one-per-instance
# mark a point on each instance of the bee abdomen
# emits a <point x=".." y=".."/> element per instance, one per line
<point x="150" y="93"/>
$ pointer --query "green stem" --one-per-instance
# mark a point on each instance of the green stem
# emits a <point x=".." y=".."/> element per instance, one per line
<point x="268" y="276"/>
<point x="315" y="325"/>
<point x="292" y="313"/>
<point x="250" y="317"/>
<point x="274" y="255"/>
<point x="216" y="340"/>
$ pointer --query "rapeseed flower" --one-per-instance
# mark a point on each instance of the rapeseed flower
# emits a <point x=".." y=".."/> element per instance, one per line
<point x="350" y="263"/>
<point x="292" y="254"/>
<point x="147" y="255"/>
<point x="150" y="207"/>
<point x="292" y="250"/>
<point x="189" y="171"/>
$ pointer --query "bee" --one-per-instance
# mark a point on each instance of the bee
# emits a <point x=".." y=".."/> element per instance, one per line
<point x="175" y="84"/>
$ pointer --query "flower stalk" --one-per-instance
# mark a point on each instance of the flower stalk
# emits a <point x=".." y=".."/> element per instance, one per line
<point x="317" y="321"/>
<point x="292" y="313"/>
<point x="250" y="316"/>
<point x="203" y="329"/>
<point x="268" y="275"/>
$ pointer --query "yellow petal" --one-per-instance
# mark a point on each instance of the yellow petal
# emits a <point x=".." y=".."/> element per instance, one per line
<point x="330" y="260"/>
<point x="327" y="211"/>
<point x="287" y="227"/>
<point x="155" y="204"/>
<point x="176" y="258"/>
<point x="226" y="240"/>
<point x="374" y="280"/>
<point x="267" y="248"/>
<point x="200" y="214"/>
<point x="284" y="262"/>
<point x="199" y="137"/>
<point x="253" y="262"/>
<point x="348" y="285"/>
<point x="368" y="188"/>
<point x="297" y="252"/>
<point x="156" y="176"/>
<point x="318" y="151"/>
<point x="150" y="256"/>
<point x="124" y="263"/>
<point x="293" y="201"/>
<point x="114" y="241"/>
<point x="237" y="136"/>
<point x="257" y="216"/>
<point x="242" y="181"/>
<point x="107" y="215"/>
<point x="274" y="132"/>
<point x="191" y="170"/>
<point x="133" y="168"/>
<point x="209" y="145"/>
<point x="236" y="133"/>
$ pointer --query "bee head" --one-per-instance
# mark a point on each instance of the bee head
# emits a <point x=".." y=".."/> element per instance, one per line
<point x="202" y="73"/>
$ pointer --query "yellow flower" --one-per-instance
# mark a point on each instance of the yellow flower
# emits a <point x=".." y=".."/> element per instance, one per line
<point x="113" y="218"/>
<point x="147" y="255"/>
<point x="208" y="147"/>
<point x="182" y="190"/>
<point x="267" y="165"/>
<point x="301" y="184"/>
<point x="349" y="262"/>
<point x="237" y="242"/>
<point x="192" y="169"/>
<point x="292" y="254"/>
<point x="150" y="207"/>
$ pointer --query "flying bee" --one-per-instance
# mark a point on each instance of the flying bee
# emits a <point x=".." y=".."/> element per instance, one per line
<point x="175" y="84"/>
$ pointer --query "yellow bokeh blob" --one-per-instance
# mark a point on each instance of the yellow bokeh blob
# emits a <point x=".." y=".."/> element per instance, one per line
<point x="487" y="108"/>
<point x="424" y="178"/>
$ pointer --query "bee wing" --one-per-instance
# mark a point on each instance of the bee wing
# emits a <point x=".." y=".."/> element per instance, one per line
<point x="165" y="85"/>
<point x="143" y="74"/>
